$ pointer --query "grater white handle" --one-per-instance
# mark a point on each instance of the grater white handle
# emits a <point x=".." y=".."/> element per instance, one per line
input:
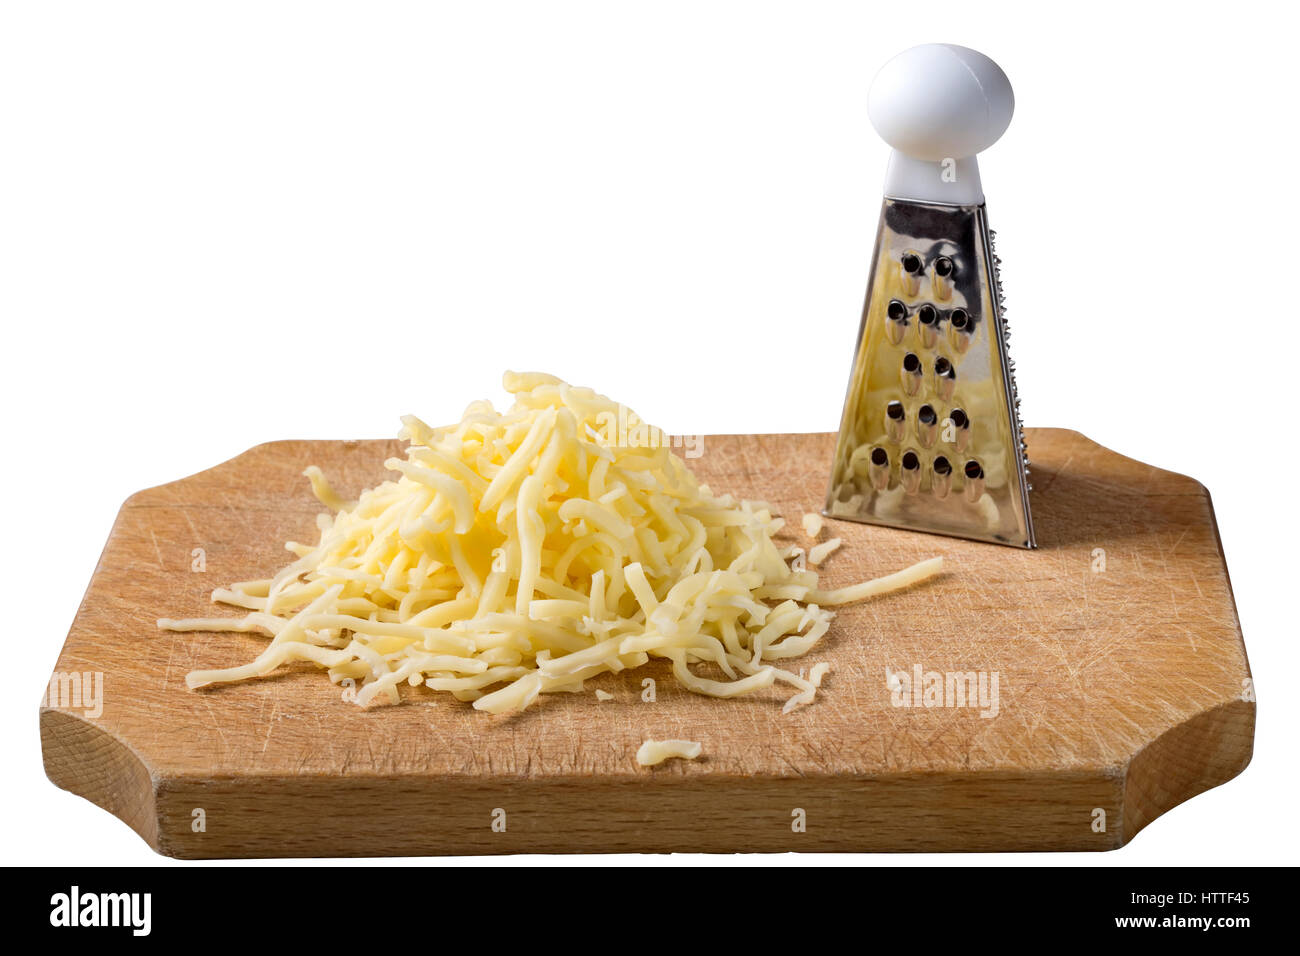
<point x="938" y="105"/>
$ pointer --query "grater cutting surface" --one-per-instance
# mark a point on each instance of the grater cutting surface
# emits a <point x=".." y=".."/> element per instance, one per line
<point x="930" y="438"/>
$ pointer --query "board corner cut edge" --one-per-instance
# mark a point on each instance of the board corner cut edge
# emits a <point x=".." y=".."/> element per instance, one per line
<point x="86" y="760"/>
<point x="1199" y="754"/>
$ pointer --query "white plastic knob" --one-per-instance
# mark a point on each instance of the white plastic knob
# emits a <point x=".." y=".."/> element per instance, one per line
<point x="938" y="105"/>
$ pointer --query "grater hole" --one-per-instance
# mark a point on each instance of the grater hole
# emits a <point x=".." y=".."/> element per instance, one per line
<point x="973" y="470"/>
<point x="897" y="311"/>
<point x="910" y="461"/>
<point x="943" y="267"/>
<point x="911" y="263"/>
<point x="895" y="411"/>
<point x="958" y="418"/>
<point x="927" y="314"/>
<point x="943" y="368"/>
<point x="911" y="363"/>
<point x="879" y="457"/>
<point x="926" y="415"/>
<point x="960" y="319"/>
<point x="942" y="466"/>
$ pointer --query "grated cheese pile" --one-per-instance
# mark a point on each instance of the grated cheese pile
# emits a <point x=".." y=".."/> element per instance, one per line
<point x="522" y="553"/>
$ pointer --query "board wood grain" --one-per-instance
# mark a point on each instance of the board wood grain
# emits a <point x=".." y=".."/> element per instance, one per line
<point x="1120" y="692"/>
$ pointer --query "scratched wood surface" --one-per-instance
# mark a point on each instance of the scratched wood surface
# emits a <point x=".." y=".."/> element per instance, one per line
<point x="1120" y="692"/>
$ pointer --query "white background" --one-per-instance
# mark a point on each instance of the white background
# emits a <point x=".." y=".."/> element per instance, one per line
<point x="225" y="223"/>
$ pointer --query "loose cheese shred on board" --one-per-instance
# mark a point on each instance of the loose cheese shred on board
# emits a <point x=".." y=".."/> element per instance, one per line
<point x="812" y="524"/>
<point x="657" y="751"/>
<point x="820" y="552"/>
<point x="521" y="553"/>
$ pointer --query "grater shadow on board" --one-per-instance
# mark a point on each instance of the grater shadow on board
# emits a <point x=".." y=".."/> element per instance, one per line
<point x="930" y="438"/>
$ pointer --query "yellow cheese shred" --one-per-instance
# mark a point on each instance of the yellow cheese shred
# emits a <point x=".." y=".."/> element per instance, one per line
<point x="654" y="752"/>
<point x="820" y="552"/>
<point x="524" y="552"/>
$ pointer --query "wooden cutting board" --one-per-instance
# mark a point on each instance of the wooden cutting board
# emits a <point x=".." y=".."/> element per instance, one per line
<point x="1122" y="689"/>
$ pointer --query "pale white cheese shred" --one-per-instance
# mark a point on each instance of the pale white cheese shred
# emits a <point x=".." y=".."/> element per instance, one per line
<point x="820" y="552"/>
<point x="603" y="695"/>
<point x="657" y="751"/>
<point x="522" y="553"/>
<point x="812" y="524"/>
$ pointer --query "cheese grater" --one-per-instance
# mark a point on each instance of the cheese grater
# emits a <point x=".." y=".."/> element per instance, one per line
<point x="930" y="438"/>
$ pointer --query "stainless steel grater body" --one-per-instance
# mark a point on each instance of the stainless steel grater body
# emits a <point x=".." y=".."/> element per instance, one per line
<point x="930" y="438"/>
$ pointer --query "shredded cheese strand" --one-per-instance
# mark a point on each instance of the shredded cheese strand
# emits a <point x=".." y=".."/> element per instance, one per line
<point x="654" y="752"/>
